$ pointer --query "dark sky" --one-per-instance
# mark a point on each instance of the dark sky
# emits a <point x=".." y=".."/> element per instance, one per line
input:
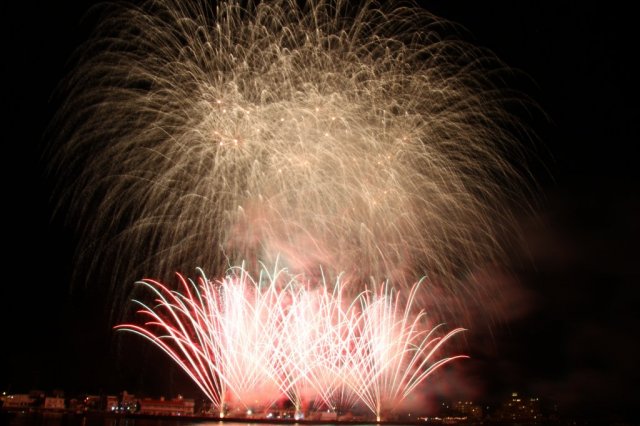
<point x="575" y="338"/>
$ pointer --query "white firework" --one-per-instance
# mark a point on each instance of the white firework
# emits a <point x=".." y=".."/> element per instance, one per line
<point x="357" y="140"/>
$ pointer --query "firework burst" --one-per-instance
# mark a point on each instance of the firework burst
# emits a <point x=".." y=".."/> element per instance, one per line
<point x="353" y="145"/>
<point x="364" y="141"/>
<point x="249" y="343"/>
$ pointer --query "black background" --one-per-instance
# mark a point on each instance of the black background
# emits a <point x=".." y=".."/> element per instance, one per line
<point x="575" y="339"/>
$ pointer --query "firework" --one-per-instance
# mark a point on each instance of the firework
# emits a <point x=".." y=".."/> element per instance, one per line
<point x="364" y="141"/>
<point x="353" y="145"/>
<point x="249" y="343"/>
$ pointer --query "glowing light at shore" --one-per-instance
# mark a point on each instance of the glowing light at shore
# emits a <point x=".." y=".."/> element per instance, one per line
<point x="249" y="342"/>
<point x="359" y="140"/>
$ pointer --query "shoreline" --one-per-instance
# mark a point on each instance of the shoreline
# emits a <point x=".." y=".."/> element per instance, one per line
<point x="205" y="418"/>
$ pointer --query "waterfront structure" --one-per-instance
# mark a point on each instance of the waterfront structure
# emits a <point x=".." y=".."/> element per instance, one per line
<point x="519" y="409"/>
<point x="469" y="409"/>
<point x="18" y="401"/>
<point x="172" y="407"/>
<point x="54" y="403"/>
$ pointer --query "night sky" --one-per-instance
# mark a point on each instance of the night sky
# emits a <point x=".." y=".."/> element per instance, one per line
<point x="573" y="333"/>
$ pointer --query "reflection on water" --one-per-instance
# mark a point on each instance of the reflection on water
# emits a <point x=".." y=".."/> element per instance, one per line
<point x="59" y="419"/>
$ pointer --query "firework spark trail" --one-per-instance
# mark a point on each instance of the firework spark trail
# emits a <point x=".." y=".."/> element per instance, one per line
<point x="249" y="343"/>
<point x="184" y="325"/>
<point x="365" y="141"/>
<point x="237" y="321"/>
<point x="394" y="351"/>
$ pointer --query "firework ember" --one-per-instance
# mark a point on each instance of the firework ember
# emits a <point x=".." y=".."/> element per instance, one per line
<point x="249" y="343"/>
<point x="363" y="141"/>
